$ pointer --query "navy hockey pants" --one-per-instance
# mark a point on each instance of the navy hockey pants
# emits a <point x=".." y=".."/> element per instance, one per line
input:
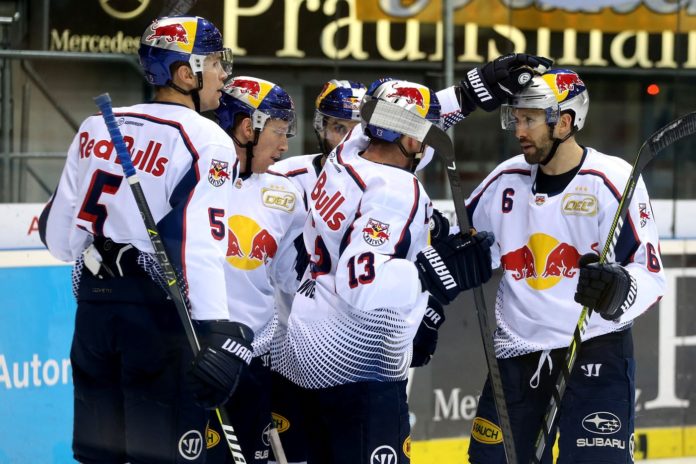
<point x="130" y="359"/>
<point x="597" y="413"/>
<point x="358" y="423"/>
<point x="289" y="418"/>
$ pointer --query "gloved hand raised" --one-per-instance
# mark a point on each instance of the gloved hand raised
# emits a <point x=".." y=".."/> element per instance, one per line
<point x="606" y="288"/>
<point x="225" y="353"/>
<point x="454" y="264"/>
<point x="493" y="83"/>
<point x="425" y="341"/>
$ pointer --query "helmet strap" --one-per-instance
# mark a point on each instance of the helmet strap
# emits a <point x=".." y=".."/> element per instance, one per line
<point x="410" y="156"/>
<point x="249" y="148"/>
<point x="556" y="143"/>
<point x="193" y="93"/>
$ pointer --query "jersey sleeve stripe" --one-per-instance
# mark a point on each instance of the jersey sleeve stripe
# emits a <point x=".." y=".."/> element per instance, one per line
<point x="404" y="243"/>
<point x="296" y="172"/>
<point x="474" y="201"/>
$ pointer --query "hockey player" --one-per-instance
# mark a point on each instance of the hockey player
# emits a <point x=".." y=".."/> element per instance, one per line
<point x="139" y="394"/>
<point x="361" y="299"/>
<point x="336" y="113"/>
<point x="267" y="217"/>
<point x="551" y="208"/>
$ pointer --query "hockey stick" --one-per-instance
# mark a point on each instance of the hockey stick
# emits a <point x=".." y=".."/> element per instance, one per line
<point x="663" y="138"/>
<point x="393" y="117"/>
<point x="177" y="7"/>
<point x="104" y="103"/>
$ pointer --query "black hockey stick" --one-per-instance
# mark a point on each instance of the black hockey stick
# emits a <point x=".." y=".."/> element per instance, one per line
<point x="177" y="7"/>
<point x="663" y="138"/>
<point x="393" y="117"/>
<point x="104" y="103"/>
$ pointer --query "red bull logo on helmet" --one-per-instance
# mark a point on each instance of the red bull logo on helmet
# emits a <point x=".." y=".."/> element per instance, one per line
<point x="250" y="90"/>
<point x="248" y="244"/>
<point x="172" y="33"/>
<point x="564" y="83"/>
<point x="542" y="262"/>
<point x="419" y="96"/>
<point x="375" y="232"/>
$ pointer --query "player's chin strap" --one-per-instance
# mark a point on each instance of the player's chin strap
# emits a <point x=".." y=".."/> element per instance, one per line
<point x="323" y="146"/>
<point x="249" y="148"/>
<point x="414" y="158"/>
<point x="193" y="93"/>
<point x="556" y="143"/>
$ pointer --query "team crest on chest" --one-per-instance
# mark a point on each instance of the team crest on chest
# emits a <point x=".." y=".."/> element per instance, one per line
<point x="375" y="232"/>
<point x="540" y="199"/>
<point x="218" y="172"/>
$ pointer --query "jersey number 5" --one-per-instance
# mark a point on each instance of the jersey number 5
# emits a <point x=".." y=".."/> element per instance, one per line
<point x="92" y="211"/>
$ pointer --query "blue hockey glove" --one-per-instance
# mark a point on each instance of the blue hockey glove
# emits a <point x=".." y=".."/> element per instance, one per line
<point x="439" y="226"/>
<point x="225" y="353"/>
<point x="425" y="341"/>
<point x="493" y="83"/>
<point x="606" y="288"/>
<point x="454" y="264"/>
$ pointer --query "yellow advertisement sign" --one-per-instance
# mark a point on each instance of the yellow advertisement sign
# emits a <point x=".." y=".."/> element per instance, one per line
<point x="642" y="15"/>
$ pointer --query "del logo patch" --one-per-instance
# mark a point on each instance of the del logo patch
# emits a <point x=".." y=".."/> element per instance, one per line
<point x="375" y="232"/>
<point x="579" y="204"/>
<point x="486" y="432"/>
<point x="217" y="174"/>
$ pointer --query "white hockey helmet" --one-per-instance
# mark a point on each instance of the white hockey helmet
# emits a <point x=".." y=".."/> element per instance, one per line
<point x="556" y="91"/>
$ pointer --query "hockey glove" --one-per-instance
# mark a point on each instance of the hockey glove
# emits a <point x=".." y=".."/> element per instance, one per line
<point x="606" y="288"/>
<point x="493" y="83"/>
<point x="425" y="341"/>
<point x="454" y="264"/>
<point x="225" y="353"/>
<point x="439" y="227"/>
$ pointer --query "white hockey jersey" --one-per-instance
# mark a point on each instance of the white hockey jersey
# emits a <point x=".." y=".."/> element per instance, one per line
<point x="267" y="216"/>
<point x="539" y="239"/>
<point x="185" y="163"/>
<point x="360" y="302"/>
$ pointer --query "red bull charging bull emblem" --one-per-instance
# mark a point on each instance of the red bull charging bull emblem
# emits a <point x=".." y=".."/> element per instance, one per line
<point x="644" y="214"/>
<point x="248" y="244"/>
<point x="375" y="232"/>
<point x="542" y="262"/>
<point x="413" y="95"/>
<point x="246" y="87"/>
<point x="169" y="32"/>
<point x="217" y="174"/>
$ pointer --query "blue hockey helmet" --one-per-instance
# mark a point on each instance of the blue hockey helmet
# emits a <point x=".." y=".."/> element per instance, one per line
<point x="188" y="39"/>
<point x="416" y="98"/>
<point x="338" y="99"/>
<point x="259" y="99"/>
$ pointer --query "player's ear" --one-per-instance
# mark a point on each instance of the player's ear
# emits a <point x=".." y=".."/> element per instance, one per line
<point x="184" y="75"/>
<point x="564" y="124"/>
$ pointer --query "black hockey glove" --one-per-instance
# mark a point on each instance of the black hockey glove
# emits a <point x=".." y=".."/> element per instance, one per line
<point x="493" y="83"/>
<point x="606" y="288"/>
<point x="439" y="227"/>
<point x="425" y="341"/>
<point x="454" y="264"/>
<point x="225" y="354"/>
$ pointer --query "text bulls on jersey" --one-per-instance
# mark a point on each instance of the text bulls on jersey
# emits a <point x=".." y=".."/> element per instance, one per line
<point x="147" y="160"/>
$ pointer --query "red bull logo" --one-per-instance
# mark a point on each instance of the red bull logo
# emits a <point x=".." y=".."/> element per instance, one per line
<point x="170" y="32"/>
<point x="246" y="87"/>
<point x="248" y="244"/>
<point x="568" y="82"/>
<point x="375" y="232"/>
<point x="558" y="260"/>
<point x="413" y="95"/>
<point x="643" y="213"/>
